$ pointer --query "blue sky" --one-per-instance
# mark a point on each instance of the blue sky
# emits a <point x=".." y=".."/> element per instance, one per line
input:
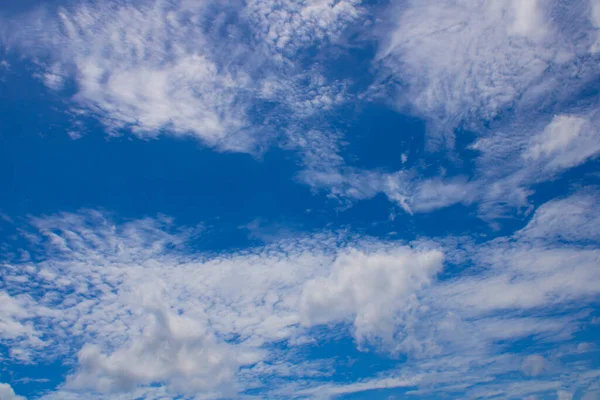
<point x="299" y="199"/>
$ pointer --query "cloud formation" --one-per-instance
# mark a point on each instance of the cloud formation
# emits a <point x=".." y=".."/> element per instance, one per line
<point x="468" y="61"/>
<point x="207" y="70"/>
<point x="135" y="310"/>
<point x="373" y="290"/>
<point x="139" y="313"/>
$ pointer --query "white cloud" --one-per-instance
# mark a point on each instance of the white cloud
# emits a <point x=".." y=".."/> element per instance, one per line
<point x="147" y="68"/>
<point x="467" y="61"/>
<point x="174" y="349"/>
<point x="534" y="365"/>
<point x="458" y="334"/>
<point x="184" y="68"/>
<point x="556" y="137"/>
<point x="285" y="26"/>
<point x="510" y="161"/>
<point x="142" y="315"/>
<point x="528" y="19"/>
<point x="16" y="323"/>
<point x="7" y="393"/>
<point x="373" y="290"/>
<point x="462" y="63"/>
<point x="574" y="218"/>
<point x="138" y="310"/>
<point x="525" y="277"/>
<point x="564" y="395"/>
<point x="508" y="165"/>
<point x="566" y="142"/>
<point x="332" y="390"/>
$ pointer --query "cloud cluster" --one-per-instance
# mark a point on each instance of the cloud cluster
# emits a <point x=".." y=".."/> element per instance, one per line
<point x="236" y="77"/>
<point x="467" y="61"/>
<point x="205" y="69"/>
<point x="137" y="311"/>
<point x="510" y="72"/>
<point x="374" y="290"/>
<point x="509" y="162"/>
<point x="459" y="337"/>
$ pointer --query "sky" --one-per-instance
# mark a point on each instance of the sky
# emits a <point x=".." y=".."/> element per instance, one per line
<point x="299" y="199"/>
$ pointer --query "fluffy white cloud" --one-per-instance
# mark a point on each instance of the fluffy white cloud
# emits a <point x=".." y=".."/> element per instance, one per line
<point x="16" y="323"/>
<point x="7" y="393"/>
<point x="174" y="349"/>
<point x="373" y="290"/>
<point x="518" y="288"/>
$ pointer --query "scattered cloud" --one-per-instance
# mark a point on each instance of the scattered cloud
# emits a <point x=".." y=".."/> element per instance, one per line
<point x="460" y="63"/>
<point x="115" y="296"/>
<point x="508" y="165"/>
<point x="137" y="311"/>
<point x="208" y="70"/>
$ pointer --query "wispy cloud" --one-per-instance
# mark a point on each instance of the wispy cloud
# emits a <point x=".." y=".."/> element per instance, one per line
<point x="510" y="72"/>
<point x="509" y="163"/>
<point x="116" y="296"/>
<point x="190" y="322"/>
<point x="207" y="69"/>
<point x="459" y="63"/>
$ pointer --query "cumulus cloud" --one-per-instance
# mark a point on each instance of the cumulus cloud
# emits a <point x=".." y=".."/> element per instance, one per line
<point x="372" y="290"/>
<point x="518" y="288"/>
<point x="174" y="349"/>
<point x="7" y="393"/>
